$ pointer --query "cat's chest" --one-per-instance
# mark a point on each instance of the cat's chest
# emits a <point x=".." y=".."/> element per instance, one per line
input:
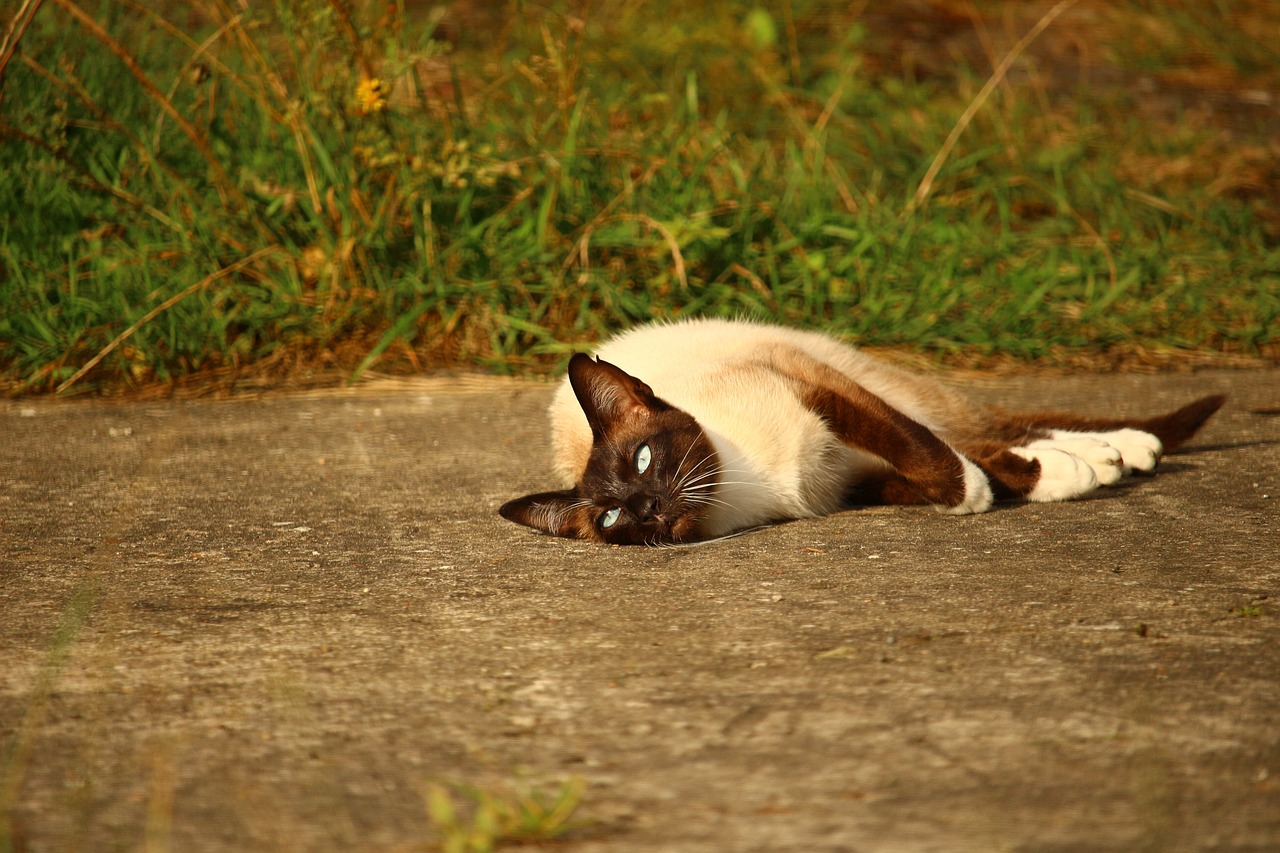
<point x="781" y="462"/>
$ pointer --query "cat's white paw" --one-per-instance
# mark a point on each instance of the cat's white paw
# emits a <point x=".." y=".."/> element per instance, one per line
<point x="1139" y="451"/>
<point x="1106" y="461"/>
<point x="1063" y="475"/>
<point x="977" y="492"/>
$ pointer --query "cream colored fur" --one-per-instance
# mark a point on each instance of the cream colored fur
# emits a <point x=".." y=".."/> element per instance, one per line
<point x="751" y="412"/>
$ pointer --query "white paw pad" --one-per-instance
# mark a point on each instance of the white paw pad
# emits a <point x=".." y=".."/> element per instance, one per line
<point x="1139" y="451"/>
<point x="1063" y="475"/>
<point x="1106" y="461"/>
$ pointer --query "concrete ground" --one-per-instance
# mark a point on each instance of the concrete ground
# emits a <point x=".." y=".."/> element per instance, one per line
<point x="269" y="625"/>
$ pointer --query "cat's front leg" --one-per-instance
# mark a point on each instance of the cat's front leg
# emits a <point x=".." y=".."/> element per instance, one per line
<point x="978" y="495"/>
<point x="1062" y="475"/>
<point x="1042" y="473"/>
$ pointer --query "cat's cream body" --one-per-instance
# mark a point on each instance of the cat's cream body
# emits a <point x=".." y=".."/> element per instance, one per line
<point x="696" y="429"/>
<point x="780" y="458"/>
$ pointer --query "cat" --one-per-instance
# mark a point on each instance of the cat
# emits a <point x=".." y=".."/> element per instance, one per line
<point x="693" y="430"/>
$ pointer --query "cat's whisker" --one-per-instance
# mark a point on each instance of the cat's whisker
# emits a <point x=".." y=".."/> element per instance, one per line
<point x="723" y="469"/>
<point x="736" y="483"/>
<point x="711" y="488"/>
<point x="685" y="458"/>
<point x="715" y="475"/>
<point x="705" y="501"/>
<point x="696" y="488"/>
<point x="708" y="475"/>
<point x="701" y="496"/>
<point x="698" y="543"/>
<point x="710" y="457"/>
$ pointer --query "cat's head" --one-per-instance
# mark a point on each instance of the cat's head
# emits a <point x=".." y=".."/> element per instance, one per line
<point x="651" y="475"/>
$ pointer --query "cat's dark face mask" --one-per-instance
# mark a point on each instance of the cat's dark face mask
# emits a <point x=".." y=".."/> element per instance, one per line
<point x="651" y="475"/>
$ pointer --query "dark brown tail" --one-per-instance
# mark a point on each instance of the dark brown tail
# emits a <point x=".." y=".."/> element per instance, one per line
<point x="1176" y="428"/>
<point x="1173" y="429"/>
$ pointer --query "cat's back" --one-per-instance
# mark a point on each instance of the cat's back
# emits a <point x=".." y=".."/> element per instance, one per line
<point x="662" y="352"/>
<point x="717" y="371"/>
<point x="693" y="362"/>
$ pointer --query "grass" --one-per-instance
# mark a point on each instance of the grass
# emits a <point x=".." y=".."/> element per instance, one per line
<point x="211" y="195"/>
<point x="493" y="818"/>
<point x="16" y="755"/>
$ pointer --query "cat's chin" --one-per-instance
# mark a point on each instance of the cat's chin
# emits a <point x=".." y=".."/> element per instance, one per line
<point x="683" y="531"/>
<point x="686" y="529"/>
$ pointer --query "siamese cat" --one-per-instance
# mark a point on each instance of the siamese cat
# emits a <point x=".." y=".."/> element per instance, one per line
<point x="693" y="430"/>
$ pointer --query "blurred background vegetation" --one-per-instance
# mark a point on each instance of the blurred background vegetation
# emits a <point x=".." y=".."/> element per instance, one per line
<point x="217" y="194"/>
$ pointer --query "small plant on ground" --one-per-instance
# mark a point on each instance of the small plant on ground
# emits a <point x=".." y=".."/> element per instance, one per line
<point x="477" y="820"/>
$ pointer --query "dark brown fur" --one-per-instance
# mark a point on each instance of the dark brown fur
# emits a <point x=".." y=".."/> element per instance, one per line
<point x="623" y="414"/>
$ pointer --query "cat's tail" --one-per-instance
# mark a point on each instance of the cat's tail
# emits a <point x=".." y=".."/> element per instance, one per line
<point x="1177" y="427"/>
<point x="1174" y="429"/>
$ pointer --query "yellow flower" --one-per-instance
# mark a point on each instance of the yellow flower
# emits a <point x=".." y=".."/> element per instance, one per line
<point x="369" y="95"/>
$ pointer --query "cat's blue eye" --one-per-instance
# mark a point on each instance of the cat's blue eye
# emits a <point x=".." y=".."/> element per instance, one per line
<point x="643" y="457"/>
<point x="610" y="517"/>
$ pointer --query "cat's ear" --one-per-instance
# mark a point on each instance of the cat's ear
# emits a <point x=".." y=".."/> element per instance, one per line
<point x="609" y="394"/>
<point x="550" y="512"/>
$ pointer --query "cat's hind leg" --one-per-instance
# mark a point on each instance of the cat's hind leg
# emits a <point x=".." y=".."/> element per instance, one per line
<point x="1056" y="456"/>
<point x="1107" y="456"/>
<point x="1140" y="441"/>
<point x="1113" y="453"/>
<point x="1010" y="473"/>
<point x="925" y="468"/>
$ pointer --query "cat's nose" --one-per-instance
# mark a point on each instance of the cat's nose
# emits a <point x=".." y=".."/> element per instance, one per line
<point x="645" y="507"/>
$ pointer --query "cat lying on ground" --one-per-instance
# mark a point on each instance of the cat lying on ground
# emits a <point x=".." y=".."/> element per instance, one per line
<point x="692" y="430"/>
